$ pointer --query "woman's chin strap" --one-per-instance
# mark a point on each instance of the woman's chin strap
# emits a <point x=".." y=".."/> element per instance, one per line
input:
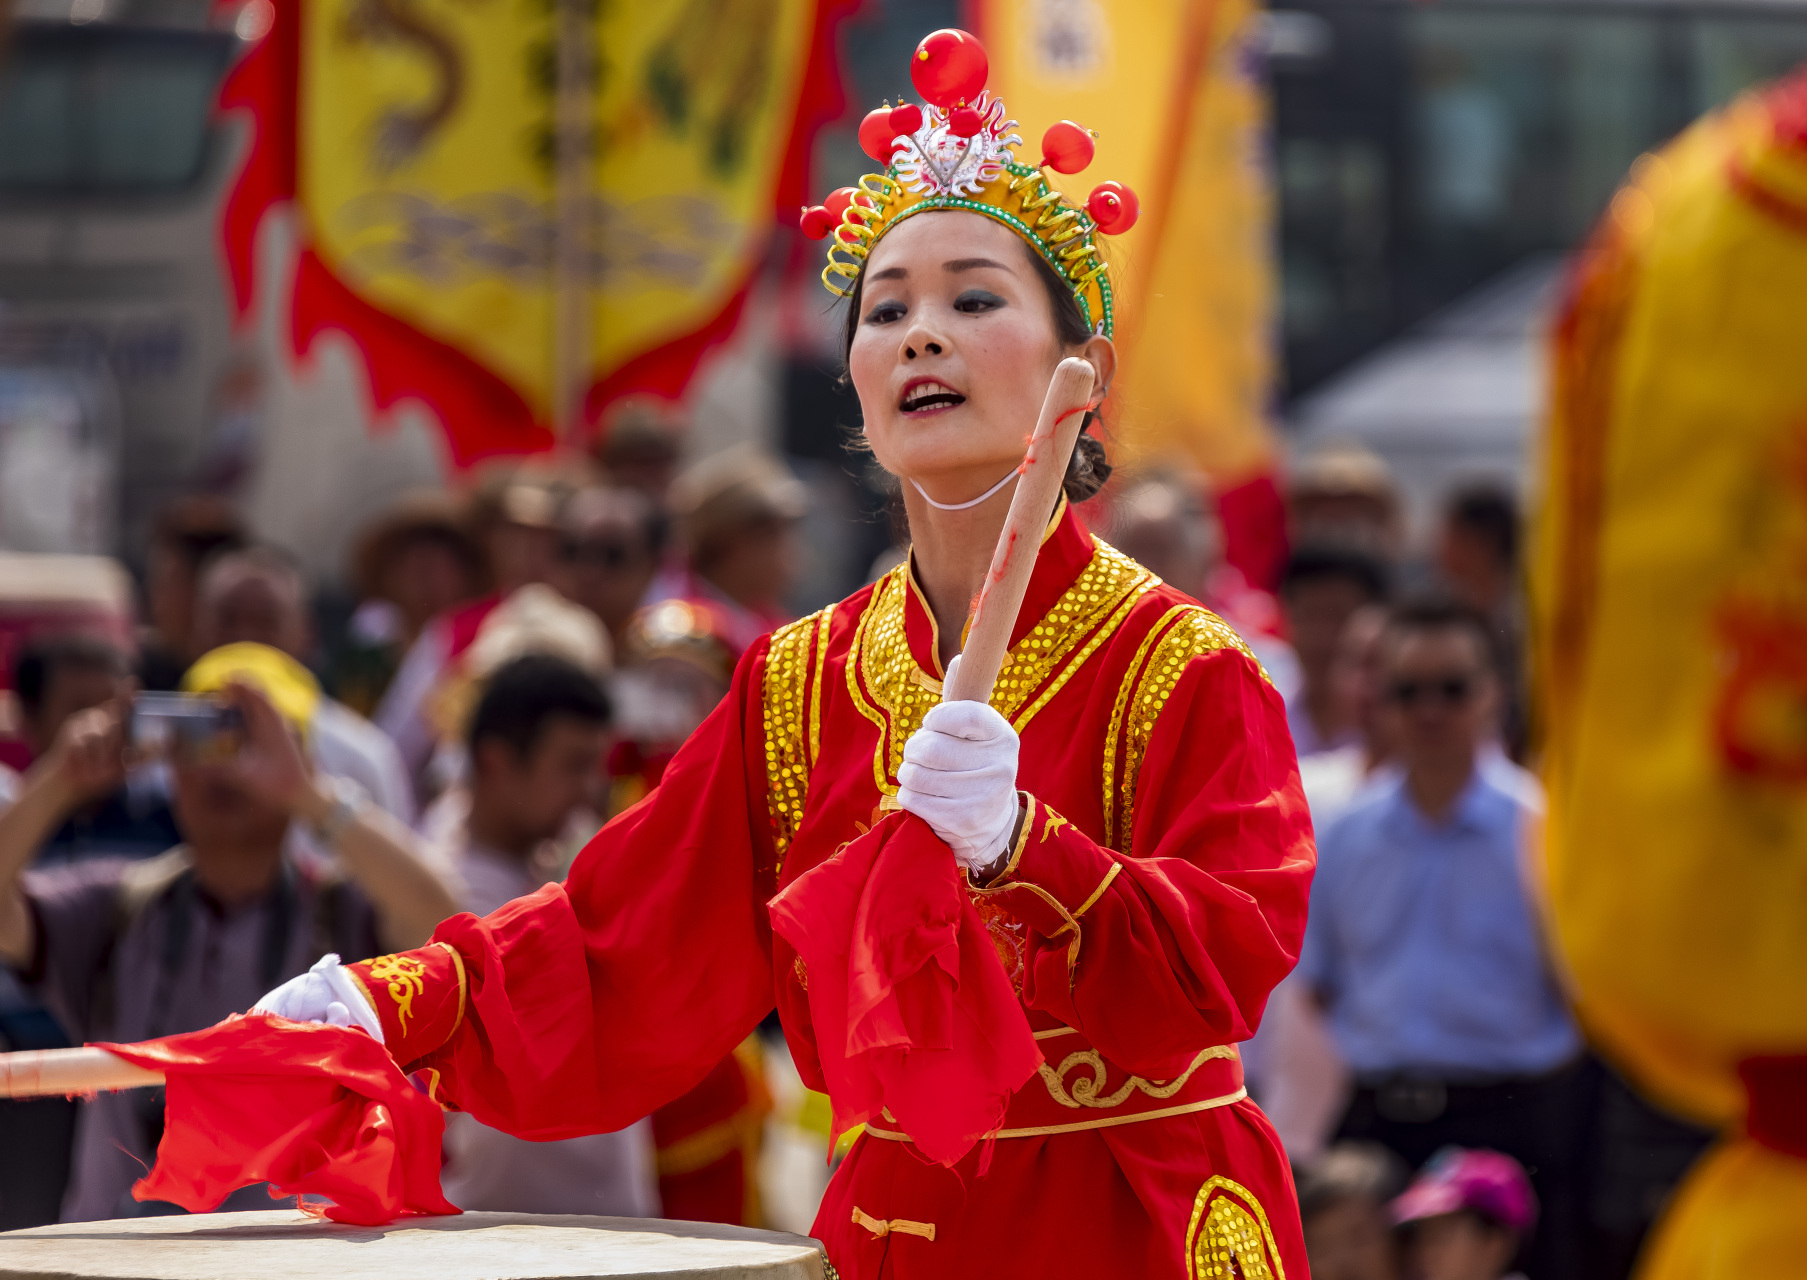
<point x="963" y="506"/>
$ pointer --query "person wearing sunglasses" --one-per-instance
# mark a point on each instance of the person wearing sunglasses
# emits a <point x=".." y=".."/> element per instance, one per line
<point x="1422" y="947"/>
<point x="611" y="540"/>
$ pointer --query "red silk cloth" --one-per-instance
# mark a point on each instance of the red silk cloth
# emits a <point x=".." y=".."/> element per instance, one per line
<point x="912" y="1009"/>
<point x="315" y="1110"/>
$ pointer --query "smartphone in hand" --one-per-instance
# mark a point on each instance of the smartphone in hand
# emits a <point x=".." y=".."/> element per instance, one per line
<point x="195" y="726"/>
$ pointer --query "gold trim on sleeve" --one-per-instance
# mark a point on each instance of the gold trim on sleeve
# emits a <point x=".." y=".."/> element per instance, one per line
<point x="364" y="991"/>
<point x="463" y="983"/>
<point x="791" y="702"/>
<point x="1098" y="893"/>
<point x="1183" y="633"/>
<point x="819" y="665"/>
<point x="1229" y="1235"/>
<point x="1026" y="807"/>
<point x="404" y="977"/>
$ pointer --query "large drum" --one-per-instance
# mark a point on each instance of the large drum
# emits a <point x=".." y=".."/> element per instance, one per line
<point x="286" y="1245"/>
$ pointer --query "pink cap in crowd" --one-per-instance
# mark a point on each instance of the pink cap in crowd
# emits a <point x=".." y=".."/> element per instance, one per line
<point x="1484" y="1182"/>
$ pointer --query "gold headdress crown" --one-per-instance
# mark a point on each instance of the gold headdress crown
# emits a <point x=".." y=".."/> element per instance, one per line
<point x="957" y="153"/>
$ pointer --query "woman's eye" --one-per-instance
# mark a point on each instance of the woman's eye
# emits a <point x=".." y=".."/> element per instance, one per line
<point x="977" y="300"/>
<point x="885" y="313"/>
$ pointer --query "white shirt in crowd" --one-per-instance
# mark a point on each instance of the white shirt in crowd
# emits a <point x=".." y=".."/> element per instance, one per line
<point x="613" y="1174"/>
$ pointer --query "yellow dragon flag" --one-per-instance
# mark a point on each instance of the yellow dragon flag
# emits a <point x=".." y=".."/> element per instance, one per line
<point x="1169" y="89"/>
<point x="418" y="140"/>
<point x="1670" y="585"/>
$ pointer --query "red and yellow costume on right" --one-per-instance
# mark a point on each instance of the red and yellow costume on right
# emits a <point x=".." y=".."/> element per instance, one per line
<point x="1157" y="895"/>
<point x="1671" y="590"/>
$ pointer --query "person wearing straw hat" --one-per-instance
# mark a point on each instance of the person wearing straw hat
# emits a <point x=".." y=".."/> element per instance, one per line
<point x="737" y="514"/>
<point x="1122" y="822"/>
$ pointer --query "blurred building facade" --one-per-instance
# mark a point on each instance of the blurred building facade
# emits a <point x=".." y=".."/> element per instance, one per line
<point x="1433" y="162"/>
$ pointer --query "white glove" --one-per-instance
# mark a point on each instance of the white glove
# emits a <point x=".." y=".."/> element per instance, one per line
<point x="959" y="776"/>
<point x="326" y="993"/>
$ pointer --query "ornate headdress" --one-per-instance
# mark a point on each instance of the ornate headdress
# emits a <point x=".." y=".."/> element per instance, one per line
<point x="956" y="153"/>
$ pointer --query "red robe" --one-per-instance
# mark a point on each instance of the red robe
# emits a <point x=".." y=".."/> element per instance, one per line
<point x="1157" y="895"/>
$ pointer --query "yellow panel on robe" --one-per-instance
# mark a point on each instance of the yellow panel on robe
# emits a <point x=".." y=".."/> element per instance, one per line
<point x="1168" y="87"/>
<point x="425" y="173"/>
<point x="1670" y="590"/>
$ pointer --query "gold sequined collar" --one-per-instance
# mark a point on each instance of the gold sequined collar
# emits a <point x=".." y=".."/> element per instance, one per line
<point x="886" y="672"/>
<point x="1065" y="551"/>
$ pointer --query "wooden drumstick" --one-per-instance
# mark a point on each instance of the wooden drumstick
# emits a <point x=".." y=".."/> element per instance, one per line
<point x="38" y="1073"/>
<point x="1044" y="467"/>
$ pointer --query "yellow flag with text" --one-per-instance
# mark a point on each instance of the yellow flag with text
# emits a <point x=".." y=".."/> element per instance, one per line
<point x="423" y="156"/>
<point x="1172" y="91"/>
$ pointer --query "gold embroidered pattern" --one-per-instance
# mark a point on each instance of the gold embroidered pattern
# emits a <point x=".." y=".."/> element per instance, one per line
<point x="1009" y="938"/>
<point x="1084" y="1126"/>
<point x="1088" y="1091"/>
<point x="895" y="694"/>
<point x="791" y="697"/>
<point x="1229" y="1235"/>
<point x="405" y="977"/>
<point x="1184" y="632"/>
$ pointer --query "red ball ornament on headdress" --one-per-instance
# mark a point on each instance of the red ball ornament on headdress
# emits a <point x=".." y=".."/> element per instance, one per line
<point x="1113" y="207"/>
<point x="817" y="223"/>
<point x="876" y="134"/>
<point x="1067" y="148"/>
<point x="964" y="122"/>
<point x="949" y="67"/>
<point x="906" y="119"/>
<point x="837" y="202"/>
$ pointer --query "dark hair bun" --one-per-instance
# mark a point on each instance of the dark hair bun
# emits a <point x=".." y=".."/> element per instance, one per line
<point x="1087" y="470"/>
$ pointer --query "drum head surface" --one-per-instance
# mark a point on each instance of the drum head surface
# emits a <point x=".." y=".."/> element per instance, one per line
<point x="285" y="1245"/>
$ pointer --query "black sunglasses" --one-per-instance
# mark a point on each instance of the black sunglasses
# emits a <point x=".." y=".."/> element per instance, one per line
<point x="1450" y="690"/>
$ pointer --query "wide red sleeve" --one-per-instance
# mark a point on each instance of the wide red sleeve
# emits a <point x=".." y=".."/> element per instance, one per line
<point x="1176" y="945"/>
<point x="583" y="1007"/>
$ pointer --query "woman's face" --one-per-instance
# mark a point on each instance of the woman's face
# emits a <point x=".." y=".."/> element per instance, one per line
<point x="954" y="350"/>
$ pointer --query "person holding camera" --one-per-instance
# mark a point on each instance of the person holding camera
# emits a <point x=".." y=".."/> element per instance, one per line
<point x="129" y="950"/>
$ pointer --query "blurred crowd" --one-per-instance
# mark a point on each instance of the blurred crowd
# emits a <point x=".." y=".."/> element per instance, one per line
<point x="519" y="662"/>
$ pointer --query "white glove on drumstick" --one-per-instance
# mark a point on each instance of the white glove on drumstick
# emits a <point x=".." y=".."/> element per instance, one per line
<point x="959" y="776"/>
<point x="325" y="993"/>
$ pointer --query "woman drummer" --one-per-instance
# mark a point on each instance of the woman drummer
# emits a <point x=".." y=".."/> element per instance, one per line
<point x="1127" y="809"/>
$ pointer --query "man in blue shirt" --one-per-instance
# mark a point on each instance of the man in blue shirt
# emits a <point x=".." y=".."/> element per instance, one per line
<point x="1423" y="947"/>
